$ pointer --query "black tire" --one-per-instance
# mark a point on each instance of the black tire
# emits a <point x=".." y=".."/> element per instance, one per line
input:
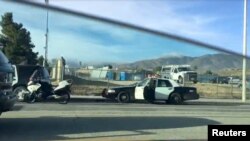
<point x="123" y="97"/>
<point x="167" y="101"/>
<point x="175" y="98"/>
<point x="19" y="92"/>
<point x="31" y="98"/>
<point x="104" y="91"/>
<point x="64" y="98"/>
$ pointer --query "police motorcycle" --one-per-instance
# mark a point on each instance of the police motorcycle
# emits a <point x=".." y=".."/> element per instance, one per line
<point x="42" y="91"/>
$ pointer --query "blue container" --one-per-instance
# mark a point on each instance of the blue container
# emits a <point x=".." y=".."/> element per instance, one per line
<point x="110" y="75"/>
<point x="122" y="76"/>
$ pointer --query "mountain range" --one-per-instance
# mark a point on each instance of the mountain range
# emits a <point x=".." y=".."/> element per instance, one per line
<point x="214" y="62"/>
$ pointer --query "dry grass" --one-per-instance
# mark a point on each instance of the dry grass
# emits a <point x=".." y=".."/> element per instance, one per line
<point x="205" y="90"/>
<point x="90" y="87"/>
<point x="219" y="90"/>
<point x="232" y="72"/>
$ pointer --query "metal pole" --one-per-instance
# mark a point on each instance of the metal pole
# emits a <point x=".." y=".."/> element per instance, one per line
<point x="244" y="52"/>
<point x="46" y="36"/>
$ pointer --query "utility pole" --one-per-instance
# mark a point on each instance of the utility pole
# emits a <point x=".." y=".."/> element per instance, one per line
<point x="46" y="36"/>
<point x="244" y="52"/>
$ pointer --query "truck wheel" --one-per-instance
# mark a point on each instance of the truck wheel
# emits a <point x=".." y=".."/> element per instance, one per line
<point x="123" y="97"/>
<point x="180" y="80"/>
<point x="175" y="98"/>
<point x="19" y="92"/>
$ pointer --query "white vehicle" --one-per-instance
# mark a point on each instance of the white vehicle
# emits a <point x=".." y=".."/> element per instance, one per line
<point x="152" y="89"/>
<point x="179" y="73"/>
<point x="234" y="80"/>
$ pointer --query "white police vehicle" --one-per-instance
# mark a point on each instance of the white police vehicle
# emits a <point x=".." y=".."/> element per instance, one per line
<point x="152" y="89"/>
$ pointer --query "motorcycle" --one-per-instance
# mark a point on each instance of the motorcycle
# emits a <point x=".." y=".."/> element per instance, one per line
<point x="39" y="91"/>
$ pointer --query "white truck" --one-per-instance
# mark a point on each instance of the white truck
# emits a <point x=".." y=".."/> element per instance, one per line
<point x="179" y="73"/>
<point x="234" y="80"/>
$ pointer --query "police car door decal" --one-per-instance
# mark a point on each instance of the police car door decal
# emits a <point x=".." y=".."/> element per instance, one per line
<point x="139" y="89"/>
<point x="139" y="92"/>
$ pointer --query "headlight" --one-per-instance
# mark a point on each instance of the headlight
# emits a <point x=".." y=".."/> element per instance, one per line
<point x="111" y="91"/>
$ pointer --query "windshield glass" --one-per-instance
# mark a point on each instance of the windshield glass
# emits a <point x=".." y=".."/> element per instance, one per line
<point x="143" y="83"/>
<point x="184" y="69"/>
<point x="166" y="70"/>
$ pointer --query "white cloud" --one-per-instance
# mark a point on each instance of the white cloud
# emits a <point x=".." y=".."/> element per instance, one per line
<point x="177" y="17"/>
<point x="58" y="20"/>
<point x="130" y="46"/>
<point x="159" y="15"/>
<point x="77" y="47"/>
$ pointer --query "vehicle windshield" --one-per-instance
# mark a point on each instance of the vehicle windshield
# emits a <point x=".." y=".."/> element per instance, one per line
<point x="143" y="83"/>
<point x="3" y="58"/>
<point x="184" y="69"/>
<point x="166" y="70"/>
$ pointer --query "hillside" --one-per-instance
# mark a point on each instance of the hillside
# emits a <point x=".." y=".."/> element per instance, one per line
<point x="214" y="62"/>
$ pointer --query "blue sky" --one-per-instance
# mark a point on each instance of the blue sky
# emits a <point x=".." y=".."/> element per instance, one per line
<point x="214" y="22"/>
<point x="217" y="22"/>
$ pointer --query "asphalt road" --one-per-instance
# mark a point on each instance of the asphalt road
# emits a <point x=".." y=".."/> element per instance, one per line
<point x="105" y="120"/>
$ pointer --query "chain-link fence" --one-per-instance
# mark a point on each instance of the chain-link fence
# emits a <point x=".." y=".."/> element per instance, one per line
<point x="93" y="81"/>
<point x="214" y="86"/>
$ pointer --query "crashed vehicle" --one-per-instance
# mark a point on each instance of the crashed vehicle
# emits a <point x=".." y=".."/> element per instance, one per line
<point x="152" y="89"/>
